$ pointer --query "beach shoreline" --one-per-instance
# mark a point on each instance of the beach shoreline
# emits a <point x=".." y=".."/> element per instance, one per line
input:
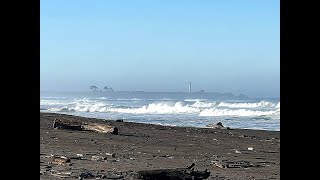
<point x="141" y="146"/>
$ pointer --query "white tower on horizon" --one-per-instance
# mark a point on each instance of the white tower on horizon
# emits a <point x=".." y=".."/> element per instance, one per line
<point x="190" y="87"/>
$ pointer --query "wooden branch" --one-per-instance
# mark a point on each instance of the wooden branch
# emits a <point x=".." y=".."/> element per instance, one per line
<point x="60" y="160"/>
<point x="177" y="174"/>
<point x="62" y="123"/>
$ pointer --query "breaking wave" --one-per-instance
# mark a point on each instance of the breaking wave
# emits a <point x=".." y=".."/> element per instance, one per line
<point x="198" y="107"/>
<point x="197" y="111"/>
<point x="160" y="108"/>
<point x="200" y="104"/>
<point x="238" y="112"/>
<point x="260" y="104"/>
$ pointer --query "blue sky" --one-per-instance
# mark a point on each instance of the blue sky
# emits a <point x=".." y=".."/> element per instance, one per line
<point x="160" y="45"/>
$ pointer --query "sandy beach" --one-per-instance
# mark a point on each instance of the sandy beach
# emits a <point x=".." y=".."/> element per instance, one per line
<point x="226" y="153"/>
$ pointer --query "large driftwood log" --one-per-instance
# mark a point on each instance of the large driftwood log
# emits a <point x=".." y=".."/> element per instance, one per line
<point x="62" y="123"/>
<point x="177" y="174"/>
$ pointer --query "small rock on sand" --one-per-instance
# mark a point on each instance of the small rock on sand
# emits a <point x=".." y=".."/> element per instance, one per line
<point x="98" y="158"/>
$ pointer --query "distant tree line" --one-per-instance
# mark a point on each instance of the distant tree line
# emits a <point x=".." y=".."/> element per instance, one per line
<point x="106" y="88"/>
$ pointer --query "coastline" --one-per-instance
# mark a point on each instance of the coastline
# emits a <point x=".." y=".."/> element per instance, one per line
<point x="141" y="146"/>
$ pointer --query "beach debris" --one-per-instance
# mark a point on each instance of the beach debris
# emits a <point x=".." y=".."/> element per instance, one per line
<point x="119" y="120"/>
<point x="63" y="123"/>
<point x="178" y="173"/>
<point x="243" y="136"/>
<point x="116" y="160"/>
<point x="62" y="174"/>
<point x="60" y="160"/>
<point x="86" y="175"/>
<point x="217" y="126"/>
<point x="250" y="148"/>
<point x="100" y="176"/>
<point x="79" y="155"/>
<point x="98" y="158"/>
<point x="241" y="164"/>
<point x="109" y="154"/>
<point x="233" y="164"/>
<point x="115" y="131"/>
<point x="66" y="173"/>
<point x="58" y="175"/>
<point x="167" y="155"/>
<point x="113" y="155"/>
<point x="270" y="151"/>
<point x="114" y="177"/>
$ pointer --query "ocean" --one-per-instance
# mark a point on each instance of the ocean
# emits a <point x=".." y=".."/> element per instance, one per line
<point x="168" y="108"/>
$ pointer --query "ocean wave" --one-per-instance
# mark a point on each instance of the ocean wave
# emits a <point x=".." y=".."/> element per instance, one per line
<point x="52" y="102"/>
<point x="81" y="99"/>
<point x="248" y="105"/>
<point x="52" y="97"/>
<point x="131" y="99"/>
<point x="194" y="100"/>
<point x="102" y="98"/>
<point x="237" y="112"/>
<point x="200" y="104"/>
<point x="198" y="107"/>
<point x="153" y="108"/>
<point x="163" y="99"/>
<point x="159" y="108"/>
<point x="90" y="107"/>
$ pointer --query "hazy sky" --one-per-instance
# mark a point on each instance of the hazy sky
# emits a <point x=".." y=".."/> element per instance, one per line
<point x="159" y="45"/>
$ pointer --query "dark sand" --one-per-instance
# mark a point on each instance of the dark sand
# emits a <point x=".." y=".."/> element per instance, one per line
<point x="145" y="147"/>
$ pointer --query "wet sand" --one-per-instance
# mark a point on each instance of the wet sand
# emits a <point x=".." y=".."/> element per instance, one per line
<point x="145" y="147"/>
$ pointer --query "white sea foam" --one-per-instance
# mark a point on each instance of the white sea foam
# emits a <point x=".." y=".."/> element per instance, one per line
<point x="131" y="99"/>
<point x="52" y="97"/>
<point x="52" y="102"/>
<point x="247" y="105"/>
<point x="63" y="109"/>
<point x="237" y="112"/>
<point x="90" y="107"/>
<point x="153" y="108"/>
<point x="170" y="110"/>
<point x="201" y="108"/>
<point x="102" y="98"/>
<point x="200" y="104"/>
<point x="195" y="100"/>
<point x="159" y="108"/>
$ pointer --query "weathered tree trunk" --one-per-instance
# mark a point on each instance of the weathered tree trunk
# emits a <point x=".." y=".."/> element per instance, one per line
<point x="60" y="123"/>
<point x="177" y="174"/>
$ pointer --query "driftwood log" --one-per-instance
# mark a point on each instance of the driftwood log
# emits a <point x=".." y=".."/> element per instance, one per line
<point x="217" y="126"/>
<point x="60" y="160"/>
<point x="177" y="174"/>
<point x="62" y="123"/>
